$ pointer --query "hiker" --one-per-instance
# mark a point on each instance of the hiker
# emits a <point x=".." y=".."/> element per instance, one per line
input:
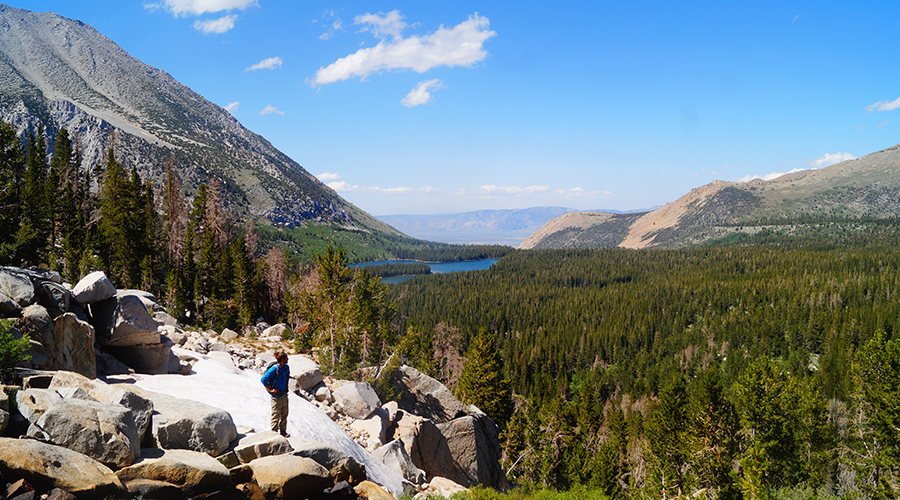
<point x="276" y="382"/>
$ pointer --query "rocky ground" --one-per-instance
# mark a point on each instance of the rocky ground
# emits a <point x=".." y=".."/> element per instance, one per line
<point x="83" y="419"/>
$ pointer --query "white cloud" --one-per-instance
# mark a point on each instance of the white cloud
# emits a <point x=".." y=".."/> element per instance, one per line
<point x="328" y="177"/>
<point x="232" y="107"/>
<point x="382" y="25"/>
<point x="823" y="161"/>
<point x="828" y="159"/>
<point x="769" y="177"/>
<point x="216" y="26"/>
<point x="422" y="93"/>
<point x="270" y="63"/>
<point x="461" y="45"/>
<point x="490" y="188"/>
<point x="198" y="7"/>
<point x="884" y="105"/>
<point x="268" y="110"/>
<point x="334" y="26"/>
<point x="884" y="123"/>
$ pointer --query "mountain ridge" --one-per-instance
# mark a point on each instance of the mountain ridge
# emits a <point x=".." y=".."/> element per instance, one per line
<point x="65" y="74"/>
<point x="862" y="188"/>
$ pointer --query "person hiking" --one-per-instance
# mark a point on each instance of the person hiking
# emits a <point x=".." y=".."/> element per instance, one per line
<point x="276" y="382"/>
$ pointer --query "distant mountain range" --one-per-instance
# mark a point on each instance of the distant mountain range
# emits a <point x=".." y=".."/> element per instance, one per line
<point x="501" y="227"/>
<point x="64" y="74"/>
<point x="797" y="203"/>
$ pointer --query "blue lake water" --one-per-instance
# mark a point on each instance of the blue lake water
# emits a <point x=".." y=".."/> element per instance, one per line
<point x="436" y="267"/>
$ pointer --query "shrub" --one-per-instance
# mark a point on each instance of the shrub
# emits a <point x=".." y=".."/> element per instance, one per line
<point x="12" y="350"/>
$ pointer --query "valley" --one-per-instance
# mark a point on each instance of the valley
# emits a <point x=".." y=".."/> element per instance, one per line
<point x="741" y="342"/>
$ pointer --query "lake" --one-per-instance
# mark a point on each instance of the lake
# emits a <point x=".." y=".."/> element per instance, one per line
<point x="436" y="267"/>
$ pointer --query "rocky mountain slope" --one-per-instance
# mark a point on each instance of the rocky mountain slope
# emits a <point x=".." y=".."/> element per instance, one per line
<point x="64" y="74"/>
<point x="864" y="188"/>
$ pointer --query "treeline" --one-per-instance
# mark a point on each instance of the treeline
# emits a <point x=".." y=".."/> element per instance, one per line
<point x="601" y="345"/>
<point x="398" y="269"/>
<point x="208" y="270"/>
<point x="73" y="220"/>
<point x="442" y="252"/>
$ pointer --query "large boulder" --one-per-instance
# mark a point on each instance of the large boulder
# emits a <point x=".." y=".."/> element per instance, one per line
<point x="36" y="322"/>
<point x="140" y="408"/>
<point x="54" y="297"/>
<point x="17" y="287"/>
<point x="356" y="399"/>
<point x="124" y="321"/>
<point x="193" y="472"/>
<point x="275" y="332"/>
<point x="372" y="491"/>
<point x="427" y="447"/>
<point x="150" y="358"/>
<point x="424" y="396"/>
<point x="103" y="432"/>
<point x="474" y="443"/>
<point x="73" y="346"/>
<point x="305" y="371"/>
<point x="394" y="455"/>
<point x="289" y="476"/>
<point x="47" y="466"/>
<point x="341" y="467"/>
<point x="93" y="288"/>
<point x="261" y="444"/>
<point x="32" y="403"/>
<point x="189" y="425"/>
<point x="8" y="306"/>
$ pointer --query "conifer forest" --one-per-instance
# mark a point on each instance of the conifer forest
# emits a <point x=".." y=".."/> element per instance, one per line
<point x="765" y="368"/>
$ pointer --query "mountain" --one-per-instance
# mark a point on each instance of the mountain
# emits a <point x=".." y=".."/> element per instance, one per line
<point x="798" y="203"/>
<point x="504" y="227"/>
<point x="64" y="74"/>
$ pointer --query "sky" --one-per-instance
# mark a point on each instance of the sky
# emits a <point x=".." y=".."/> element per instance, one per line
<point x="445" y="107"/>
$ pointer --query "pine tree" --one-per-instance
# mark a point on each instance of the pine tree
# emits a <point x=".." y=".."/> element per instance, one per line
<point x="483" y="382"/>
<point x="876" y="396"/>
<point x="714" y="437"/>
<point x="666" y="431"/>
<point x="33" y="233"/>
<point x="12" y="168"/>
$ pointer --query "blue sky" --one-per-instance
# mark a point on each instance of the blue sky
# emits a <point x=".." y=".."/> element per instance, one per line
<point x="442" y="107"/>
